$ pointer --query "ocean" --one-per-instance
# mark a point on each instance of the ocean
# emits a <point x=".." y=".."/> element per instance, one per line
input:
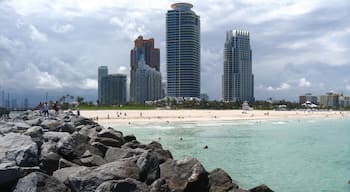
<point x="307" y="155"/>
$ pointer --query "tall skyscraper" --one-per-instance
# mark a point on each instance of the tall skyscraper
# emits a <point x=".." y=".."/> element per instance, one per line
<point x="238" y="79"/>
<point x="102" y="72"/>
<point x="113" y="89"/>
<point x="183" y="51"/>
<point x="145" y="53"/>
<point x="148" y="83"/>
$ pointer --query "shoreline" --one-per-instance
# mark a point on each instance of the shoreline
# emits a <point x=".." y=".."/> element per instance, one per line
<point x="188" y="115"/>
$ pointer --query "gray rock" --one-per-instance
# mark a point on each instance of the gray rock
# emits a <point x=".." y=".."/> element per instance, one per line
<point x="114" y="153"/>
<point x="160" y="185"/>
<point x="33" y="122"/>
<point x="18" y="148"/>
<point x="49" y="162"/>
<point x="103" y="148"/>
<point x="54" y="136"/>
<point x="83" y="121"/>
<point x="90" y="159"/>
<point x="62" y="163"/>
<point x="35" y="132"/>
<point x="66" y="127"/>
<point x="40" y="182"/>
<point x="124" y="185"/>
<point x="261" y="188"/>
<point x="51" y="125"/>
<point x="72" y="146"/>
<point x="10" y="174"/>
<point x="185" y="175"/>
<point x="149" y="167"/>
<point x="21" y="126"/>
<point x="109" y="141"/>
<point x="220" y="181"/>
<point x="111" y="133"/>
<point x="128" y="138"/>
<point x="88" y="179"/>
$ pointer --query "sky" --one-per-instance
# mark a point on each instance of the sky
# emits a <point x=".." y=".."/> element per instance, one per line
<point x="56" y="46"/>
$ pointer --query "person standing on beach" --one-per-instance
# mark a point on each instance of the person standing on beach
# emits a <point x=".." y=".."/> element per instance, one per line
<point x="40" y="107"/>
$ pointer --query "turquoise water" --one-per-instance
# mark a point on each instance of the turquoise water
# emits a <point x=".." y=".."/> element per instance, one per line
<point x="288" y="156"/>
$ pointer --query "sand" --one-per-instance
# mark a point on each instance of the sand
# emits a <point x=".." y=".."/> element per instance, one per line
<point x="170" y="116"/>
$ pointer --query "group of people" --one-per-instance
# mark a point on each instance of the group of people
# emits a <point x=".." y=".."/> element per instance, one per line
<point x="44" y="108"/>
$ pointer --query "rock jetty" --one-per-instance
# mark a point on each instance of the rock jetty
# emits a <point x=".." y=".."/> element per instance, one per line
<point x="69" y="153"/>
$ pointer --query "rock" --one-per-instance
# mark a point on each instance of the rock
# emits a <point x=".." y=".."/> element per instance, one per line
<point x="103" y="148"/>
<point x="10" y="175"/>
<point x="124" y="185"/>
<point x="185" y="175"/>
<point x="18" y="148"/>
<point x="88" y="179"/>
<point x="54" y="136"/>
<point x="72" y="146"/>
<point x="51" y="125"/>
<point x="62" y="163"/>
<point x="133" y="145"/>
<point x="33" y="122"/>
<point x="111" y="133"/>
<point x="128" y="138"/>
<point x="149" y="167"/>
<point x="114" y="153"/>
<point x="160" y="185"/>
<point x="40" y="182"/>
<point x="220" y="181"/>
<point x="261" y="188"/>
<point x="21" y="126"/>
<point x="83" y="121"/>
<point x="87" y="130"/>
<point x="49" y="162"/>
<point x="109" y="141"/>
<point x="66" y="127"/>
<point x="34" y="132"/>
<point x="90" y="159"/>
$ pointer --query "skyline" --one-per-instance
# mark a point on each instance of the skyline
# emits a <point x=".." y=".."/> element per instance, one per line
<point x="300" y="43"/>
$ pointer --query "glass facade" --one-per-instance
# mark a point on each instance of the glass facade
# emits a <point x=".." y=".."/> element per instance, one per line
<point x="102" y="72"/>
<point x="113" y="89"/>
<point x="183" y="51"/>
<point x="238" y="79"/>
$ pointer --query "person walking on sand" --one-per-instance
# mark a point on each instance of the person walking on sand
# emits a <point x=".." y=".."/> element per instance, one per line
<point x="56" y="108"/>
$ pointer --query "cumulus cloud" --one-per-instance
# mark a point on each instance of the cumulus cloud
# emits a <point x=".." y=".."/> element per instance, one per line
<point x="36" y="39"/>
<point x="36" y="35"/>
<point x="304" y="83"/>
<point x="62" y="28"/>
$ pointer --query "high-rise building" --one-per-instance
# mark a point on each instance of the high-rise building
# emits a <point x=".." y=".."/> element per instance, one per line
<point x="330" y="100"/>
<point x="238" y="79"/>
<point x="145" y="53"/>
<point x="102" y="72"/>
<point x="183" y="51"/>
<point x="113" y="89"/>
<point x="147" y="83"/>
<point x="308" y="97"/>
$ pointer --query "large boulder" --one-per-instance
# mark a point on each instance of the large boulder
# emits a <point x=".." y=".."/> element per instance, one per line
<point x="88" y="179"/>
<point x="40" y="182"/>
<point x="74" y="146"/>
<point x="10" y="174"/>
<point x="50" y="124"/>
<point x="33" y="122"/>
<point x="185" y="175"/>
<point x="109" y="141"/>
<point x="49" y="162"/>
<point x="18" y="148"/>
<point x="35" y="132"/>
<point x="114" y="153"/>
<point x="66" y="127"/>
<point x="220" y="181"/>
<point x="149" y="167"/>
<point x="124" y="185"/>
<point x="54" y="136"/>
<point x="89" y="159"/>
<point x="261" y="188"/>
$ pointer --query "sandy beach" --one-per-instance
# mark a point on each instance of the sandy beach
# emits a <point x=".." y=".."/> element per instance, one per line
<point x="170" y="116"/>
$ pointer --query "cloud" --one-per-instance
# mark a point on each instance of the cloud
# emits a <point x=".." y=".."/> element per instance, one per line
<point x="348" y="87"/>
<point x="281" y="87"/>
<point x="62" y="28"/>
<point x="90" y="84"/>
<point x="304" y="83"/>
<point x="36" y="35"/>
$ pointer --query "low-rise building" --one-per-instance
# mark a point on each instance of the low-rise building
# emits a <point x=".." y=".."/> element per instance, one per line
<point x="308" y="97"/>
